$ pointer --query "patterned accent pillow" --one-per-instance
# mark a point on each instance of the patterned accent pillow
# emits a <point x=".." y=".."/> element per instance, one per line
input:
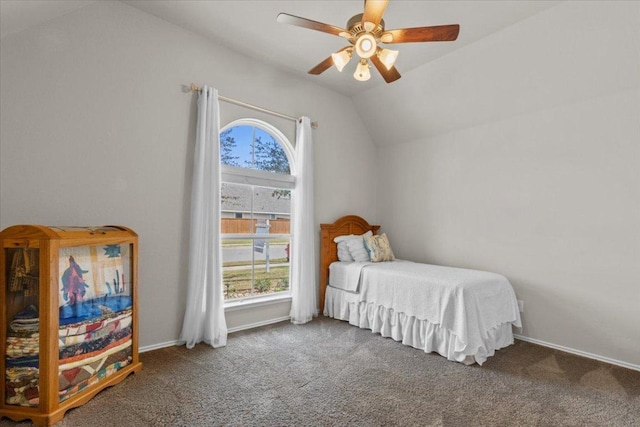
<point x="379" y="248"/>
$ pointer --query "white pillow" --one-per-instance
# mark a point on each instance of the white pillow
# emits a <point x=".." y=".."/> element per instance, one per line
<point x="357" y="249"/>
<point x="339" y="239"/>
<point x="343" y="249"/>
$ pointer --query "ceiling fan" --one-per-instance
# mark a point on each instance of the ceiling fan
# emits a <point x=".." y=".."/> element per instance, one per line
<point x="365" y="32"/>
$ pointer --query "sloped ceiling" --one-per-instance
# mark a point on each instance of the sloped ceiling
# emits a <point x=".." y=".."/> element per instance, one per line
<point x="250" y="28"/>
<point x="18" y="15"/>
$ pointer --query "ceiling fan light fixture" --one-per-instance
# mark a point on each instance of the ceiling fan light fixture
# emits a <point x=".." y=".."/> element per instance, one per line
<point x="340" y="59"/>
<point x="362" y="72"/>
<point x="388" y="57"/>
<point x="386" y="38"/>
<point x="366" y="45"/>
<point x="369" y="26"/>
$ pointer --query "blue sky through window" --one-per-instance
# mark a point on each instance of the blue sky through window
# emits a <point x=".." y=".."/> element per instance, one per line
<point x="242" y="154"/>
<point x="243" y="136"/>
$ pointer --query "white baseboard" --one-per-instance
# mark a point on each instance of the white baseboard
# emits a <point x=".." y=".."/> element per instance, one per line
<point x="579" y="352"/>
<point x="159" y="346"/>
<point x="258" y="324"/>
<point x="520" y="337"/>
<point x="230" y="331"/>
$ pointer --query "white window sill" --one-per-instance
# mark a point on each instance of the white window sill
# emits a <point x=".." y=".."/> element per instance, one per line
<point x="256" y="302"/>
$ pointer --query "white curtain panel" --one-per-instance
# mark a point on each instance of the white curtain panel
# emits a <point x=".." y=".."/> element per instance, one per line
<point x="303" y="264"/>
<point x="204" y="317"/>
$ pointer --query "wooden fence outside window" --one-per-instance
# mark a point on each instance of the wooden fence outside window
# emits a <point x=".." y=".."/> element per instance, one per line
<point x="248" y="226"/>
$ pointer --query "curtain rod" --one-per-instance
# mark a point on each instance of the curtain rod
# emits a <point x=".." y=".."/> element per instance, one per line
<point x="193" y="88"/>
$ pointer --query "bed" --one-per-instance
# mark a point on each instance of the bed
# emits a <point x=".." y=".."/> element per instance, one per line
<point x="464" y="315"/>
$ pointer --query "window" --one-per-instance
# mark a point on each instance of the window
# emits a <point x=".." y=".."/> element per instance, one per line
<point x="256" y="161"/>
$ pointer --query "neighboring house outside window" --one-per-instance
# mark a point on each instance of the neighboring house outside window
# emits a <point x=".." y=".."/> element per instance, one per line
<point x="257" y="163"/>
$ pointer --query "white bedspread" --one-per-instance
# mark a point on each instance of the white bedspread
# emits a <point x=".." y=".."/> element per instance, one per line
<point x="469" y="304"/>
<point x="346" y="275"/>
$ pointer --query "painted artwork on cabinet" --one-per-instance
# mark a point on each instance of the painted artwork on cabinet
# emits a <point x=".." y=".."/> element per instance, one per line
<point x="90" y="272"/>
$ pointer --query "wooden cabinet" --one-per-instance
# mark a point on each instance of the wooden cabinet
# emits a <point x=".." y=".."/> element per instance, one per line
<point x="68" y="312"/>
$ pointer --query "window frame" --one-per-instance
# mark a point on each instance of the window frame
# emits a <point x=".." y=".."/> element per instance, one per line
<point x="265" y="179"/>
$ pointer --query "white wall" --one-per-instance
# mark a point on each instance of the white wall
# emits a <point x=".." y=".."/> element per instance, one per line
<point x="520" y="154"/>
<point x="96" y="130"/>
<point x="517" y="154"/>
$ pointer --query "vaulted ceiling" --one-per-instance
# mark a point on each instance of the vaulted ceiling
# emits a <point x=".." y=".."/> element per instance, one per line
<point x="250" y="28"/>
<point x="485" y="75"/>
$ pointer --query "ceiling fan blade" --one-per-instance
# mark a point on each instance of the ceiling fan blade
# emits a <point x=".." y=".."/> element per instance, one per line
<point x="440" y="33"/>
<point x="388" y="75"/>
<point x="326" y="64"/>
<point x="322" y="67"/>
<point x="285" y="18"/>
<point x="373" y="11"/>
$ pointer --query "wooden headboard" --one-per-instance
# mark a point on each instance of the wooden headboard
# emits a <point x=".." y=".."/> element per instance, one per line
<point x="350" y="224"/>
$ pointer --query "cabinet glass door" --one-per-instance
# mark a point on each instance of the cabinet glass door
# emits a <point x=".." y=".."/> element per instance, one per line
<point x="95" y="314"/>
<point x="22" y="281"/>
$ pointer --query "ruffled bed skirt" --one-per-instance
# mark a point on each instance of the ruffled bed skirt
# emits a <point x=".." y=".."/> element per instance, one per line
<point x="411" y="331"/>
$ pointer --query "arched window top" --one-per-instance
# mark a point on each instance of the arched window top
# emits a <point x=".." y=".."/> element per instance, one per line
<point x="253" y="144"/>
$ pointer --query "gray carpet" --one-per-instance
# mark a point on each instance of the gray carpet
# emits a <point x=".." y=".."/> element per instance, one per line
<point x="329" y="373"/>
